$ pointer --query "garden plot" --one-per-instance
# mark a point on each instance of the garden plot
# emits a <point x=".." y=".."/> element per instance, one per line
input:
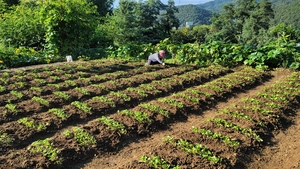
<point x="59" y="115"/>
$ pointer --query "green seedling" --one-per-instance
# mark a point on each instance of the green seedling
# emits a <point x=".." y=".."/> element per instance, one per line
<point x="112" y="124"/>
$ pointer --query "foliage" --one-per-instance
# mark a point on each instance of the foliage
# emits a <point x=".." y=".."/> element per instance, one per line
<point x="69" y="24"/>
<point x="112" y="124"/>
<point x="141" y="117"/>
<point x="81" y="106"/>
<point x="46" y="148"/>
<point x="58" y="112"/>
<point x="141" y="22"/>
<point x="81" y="136"/>
<point x="30" y="124"/>
<point x="4" y="138"/>
<point x="242" y="21"/>
<point x="157" y="162"/>
<point x="287" y="13"/>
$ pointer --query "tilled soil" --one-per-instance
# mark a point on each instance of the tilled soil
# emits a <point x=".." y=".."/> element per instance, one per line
<point x="206" y="94"/>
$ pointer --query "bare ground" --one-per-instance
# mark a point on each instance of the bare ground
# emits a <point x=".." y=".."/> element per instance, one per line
<point x="282" y="151"/>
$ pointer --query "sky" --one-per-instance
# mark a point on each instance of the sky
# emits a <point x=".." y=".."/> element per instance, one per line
<point x="177" y="2"/>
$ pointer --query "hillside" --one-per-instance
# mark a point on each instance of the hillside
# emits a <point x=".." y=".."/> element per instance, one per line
<point x="192" y="13"/>
<point x="288" y="14"/>
<point x="216" y="5"/>
<point x="286" y="11"/>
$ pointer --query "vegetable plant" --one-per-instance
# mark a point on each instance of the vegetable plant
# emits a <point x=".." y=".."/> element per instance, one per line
<point x="62" y="95"/>
<point x="81" y="136"/>
<point x="104" y="99"/>
<point x="141" y="117"/>
<point x="46" y="148"/>
<point x="155" y="109"/>
<point x="30" y="124"/>
<point x="112" y="124"/>
<point x="40" y="100"/>
<point x="16" y="94"/>
<point x="58" y="112"/>
<point x="82" y="106"/>
<point x="157" y="162"/>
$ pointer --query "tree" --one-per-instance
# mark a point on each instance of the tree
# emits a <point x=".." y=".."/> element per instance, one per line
<point x="12" y="2"/>
<point x="103" y="6"/>
<point x="141" y="22"/>
<point x="168" y="19"/>
<point x="243" y="21"/>
<point x="22" y="26"/>
<point x="69" y="24"/>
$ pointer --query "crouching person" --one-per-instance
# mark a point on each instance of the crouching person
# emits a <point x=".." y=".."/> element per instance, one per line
<point x="156" y="58"/>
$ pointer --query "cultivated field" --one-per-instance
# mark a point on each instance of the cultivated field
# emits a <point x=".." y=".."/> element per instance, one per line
<point x="105" y="114"/>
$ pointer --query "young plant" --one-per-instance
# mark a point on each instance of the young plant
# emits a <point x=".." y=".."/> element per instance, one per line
<point x="236" y="114"/>
<point x="82" y="106"/>
<point x="157" y="162"/>
<point x="4" y="138"/>
<point x="140" y="92"/>
<point x="171" y="102"/>
<point x="5" y="74"/>
<point x="19" y="85"/>
<point x="120" y="95"/>
<point x="198" y="149"/>
<point x="4" y="81"/>
<point x="155" y="109"/>
<point x="99" y="86"/>
<point x="82" y="137"/>
<point x="55" y="78"/>
<point x="70" y="83"/>
<point x="19" y="78"/>
<point x="225" y="139"/>
<point x="40" y="81"/>
<point x="87" y="80"/>
<point x="150" y="88"/>
<point x="82" y="74"/>
<point x="82" y="91"/>
<point x="36" y="89"/>
<point x="246" y="132"/>
<point x="62" y="95"/>
<point x="40" y="100"/>
<point x="16" y="94"/>
<point x="186" y="96"/>
<point x="113" y="125"/>
<point x="58" y="112"/>
<point x="57" y="86"/>
<point x="46" y="148"/>
<point x="141" y="117"/>
<point x="104" y="99"/>
<point x="11" y="108"/>
<point x="31" y="124"/>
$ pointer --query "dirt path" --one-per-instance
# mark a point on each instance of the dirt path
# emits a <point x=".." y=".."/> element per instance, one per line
<point x="282" y="154"/>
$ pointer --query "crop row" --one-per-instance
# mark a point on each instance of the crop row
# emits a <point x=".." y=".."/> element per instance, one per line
<point x="18" y="103"/>
<point x="56" y="118"/>
<point x="67" y="70"/>
<point x="61" y="81"/>
<point x="222" y="141"/>
<point x="94" y="136"/>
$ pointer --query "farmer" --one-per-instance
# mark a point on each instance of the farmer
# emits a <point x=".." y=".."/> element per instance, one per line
<point x="156" y="58"/>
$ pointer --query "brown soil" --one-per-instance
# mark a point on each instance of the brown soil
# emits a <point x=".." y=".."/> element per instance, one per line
<point x="281" y="151"/>
<point x="115" y="150"/>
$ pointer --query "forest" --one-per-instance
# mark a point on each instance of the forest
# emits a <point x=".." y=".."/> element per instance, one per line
<point x="245" y="32"/>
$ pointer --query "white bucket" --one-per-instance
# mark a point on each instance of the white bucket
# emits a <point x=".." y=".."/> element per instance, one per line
<point x="69" y="58"/>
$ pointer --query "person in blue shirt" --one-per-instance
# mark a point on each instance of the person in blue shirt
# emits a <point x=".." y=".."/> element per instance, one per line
<point x="156" y="58"/>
